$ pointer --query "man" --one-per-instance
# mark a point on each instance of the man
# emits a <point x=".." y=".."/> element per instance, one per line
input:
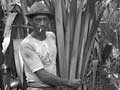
<point x="38" y="51"/>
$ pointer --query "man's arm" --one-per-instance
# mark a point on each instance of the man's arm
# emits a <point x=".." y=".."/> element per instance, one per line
<point x="33" y="62"/>
<point x="57" y="81"/>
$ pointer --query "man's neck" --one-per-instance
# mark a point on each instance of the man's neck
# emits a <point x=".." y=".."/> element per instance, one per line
<point x="39" y="35"/>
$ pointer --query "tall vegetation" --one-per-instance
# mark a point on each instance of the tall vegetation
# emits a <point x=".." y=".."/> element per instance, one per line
<point x="76" y="29"/>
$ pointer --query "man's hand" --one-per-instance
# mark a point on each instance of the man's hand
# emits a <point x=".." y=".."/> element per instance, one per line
<point x="75" y="83"/>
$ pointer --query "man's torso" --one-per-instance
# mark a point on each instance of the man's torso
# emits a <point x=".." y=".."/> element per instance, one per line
<point x="47" y="53"/>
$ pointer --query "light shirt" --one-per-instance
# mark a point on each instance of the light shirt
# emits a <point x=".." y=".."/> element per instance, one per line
<point x="37" y="55"/>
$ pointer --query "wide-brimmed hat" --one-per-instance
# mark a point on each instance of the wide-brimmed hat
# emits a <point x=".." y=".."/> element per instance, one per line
<point x="39" y="8"/>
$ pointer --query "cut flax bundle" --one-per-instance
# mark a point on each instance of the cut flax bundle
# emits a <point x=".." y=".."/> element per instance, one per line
<point x="79" y="29"/>
<point x="69" y="64"/>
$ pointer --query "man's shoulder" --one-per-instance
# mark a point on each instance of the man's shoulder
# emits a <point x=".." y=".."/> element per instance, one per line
<point x="51" y="35"/>
<point x="27" y="41"/>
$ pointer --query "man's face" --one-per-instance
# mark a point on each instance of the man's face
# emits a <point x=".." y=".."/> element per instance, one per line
<point x="40" y="22"/>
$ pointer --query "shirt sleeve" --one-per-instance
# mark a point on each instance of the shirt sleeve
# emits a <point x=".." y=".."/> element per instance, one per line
<point x="31" y="58"/>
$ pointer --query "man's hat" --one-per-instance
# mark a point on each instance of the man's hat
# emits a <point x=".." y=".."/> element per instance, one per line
<point x="39" y="8"/>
